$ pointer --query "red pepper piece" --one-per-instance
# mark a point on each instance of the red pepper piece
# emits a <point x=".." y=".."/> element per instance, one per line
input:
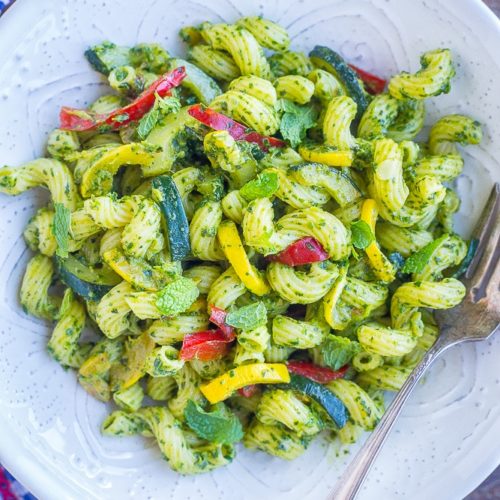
<point x="373" y="83"/>
<point x="304" y="251"/>
<point x="81" y="120"/>
<point x="218" y="317"/>
<point x="320" y="374"/>
<point x="239" y="132"/>
<point x="248" y="391"/>
<point x="206" y="345"/>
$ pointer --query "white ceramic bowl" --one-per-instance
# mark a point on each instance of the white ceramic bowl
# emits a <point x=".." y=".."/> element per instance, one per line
<point x="445" y="443"/>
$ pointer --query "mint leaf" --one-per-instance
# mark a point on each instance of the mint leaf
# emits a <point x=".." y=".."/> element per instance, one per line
<point x="263" y="186"/>
<point x="60" y="229"/>
<point x="296" y="120"/>
<point x="161" y="108"/>
<point x="416" y="261"/>
<point x="362" y="234"/>
<point x="338" y="351"/>
<point x="177" y="296"/>
<point x="218" y="426"/>
<point x="148" y="122"/>
<point x="248" y="317"/>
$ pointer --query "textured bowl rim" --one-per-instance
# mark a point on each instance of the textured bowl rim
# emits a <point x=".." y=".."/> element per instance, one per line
<point x="35" y="475"/>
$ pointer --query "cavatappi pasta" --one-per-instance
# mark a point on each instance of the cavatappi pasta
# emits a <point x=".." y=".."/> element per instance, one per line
<point x="214" y="261"/>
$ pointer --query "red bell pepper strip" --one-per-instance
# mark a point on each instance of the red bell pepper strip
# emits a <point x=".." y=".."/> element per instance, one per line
<point x="218" y="317"/>
<point x="239" y="132"/>
<point x="304" y="251"/>
<point x="374" y="84"/>
<point x="81" y="120"/>
<point x="206" y="345"/>
<point x="320" y="374"/>
<point x="248" y="391"/>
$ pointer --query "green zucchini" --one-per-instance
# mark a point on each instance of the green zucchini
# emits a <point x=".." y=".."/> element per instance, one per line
<point x="166" y="194"/>
<point x="197" y="82"/>
<point x="328" y="60"/>
<point x="89" y="282"/>
<point x="331" y="403"/>
<point x="107" y="56"/>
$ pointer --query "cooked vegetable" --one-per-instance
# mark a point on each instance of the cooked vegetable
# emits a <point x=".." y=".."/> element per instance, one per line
<point x="329" y="60"/>
<point x="81" y="120"/>
<point x="304" y="251"/>
<point x="218" y="121"/>
<point x="205" y="346"/>
<point x="166" y="194"/>
<point x="91" y="283"/>
<point x="222" y="387"/>
<point x="320" y="374"/>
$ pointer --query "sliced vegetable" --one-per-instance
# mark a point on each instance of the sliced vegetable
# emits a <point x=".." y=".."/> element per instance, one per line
<point x="320" y="374"/>
<point x="380" y="264"/>
<point x="263" y="186"/>
<point x="248" y="317"/>
<point x="304" y="251"/>
<point x="218" y="317"/>
<point x="207" y="345"/>
<point x="329" y="60"/>
<point x="218" y="121"/>
<point x="217" y="426"/>
<point x="232" y="247"/>
<point x="60" y="228"/>
<point x="373" y="83"/>
<point x="132" y="366"/>
<point x="137" y="272"/>
<point x="166" y="194"/>
<point x="362" y="235"/>
<point x="464" y="265"/>
<point x="416" y="261"/>
<point x="107" y="56"/>
<point x="204" y="87"/>
<point x="222" y="387"/>
<point x="177" y="296"/>
<point x="338" y="351"/>
<point x="162" y="107"/>
<point x="327" y="155"/>
<point x="90" y="283"/>
<point x="81" y="120"/>
<point x="331" y="403"/>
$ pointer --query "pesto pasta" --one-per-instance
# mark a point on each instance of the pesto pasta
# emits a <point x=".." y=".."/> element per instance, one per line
<point x="257" y="241"/>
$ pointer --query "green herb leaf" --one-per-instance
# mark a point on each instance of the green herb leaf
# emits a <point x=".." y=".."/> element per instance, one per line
<point x="263" y="186"/>
<point x="60" y="229"/>
<point x="416" y="261"/>
<point x="161" y="108"/>
<point x="295" y="121"/>
<point x="248" y="317"/>
<point x="177" y="296"/>
<point x="218" y="426"/>
<point x="338" y="351"/>
<point x="148" y="122"/>
<point x="362" y="234"/>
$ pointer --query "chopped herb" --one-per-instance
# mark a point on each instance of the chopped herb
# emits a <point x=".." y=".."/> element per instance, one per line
<point x="248" y="317"/>
<point x="362" y="234"/>
<point x="218" y="426"/>
<point x="338" y="351"/>
<point x="263" y="186"/>
<point x="295" y="121"/>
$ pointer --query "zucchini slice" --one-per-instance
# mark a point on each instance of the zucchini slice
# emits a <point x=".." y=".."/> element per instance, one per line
<point x="328" y="60"/>
<point x="107" y="56"/>
<point x="166" y="194"/>
<point x="88" y="282"/>
<point x="199" y="83"/>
